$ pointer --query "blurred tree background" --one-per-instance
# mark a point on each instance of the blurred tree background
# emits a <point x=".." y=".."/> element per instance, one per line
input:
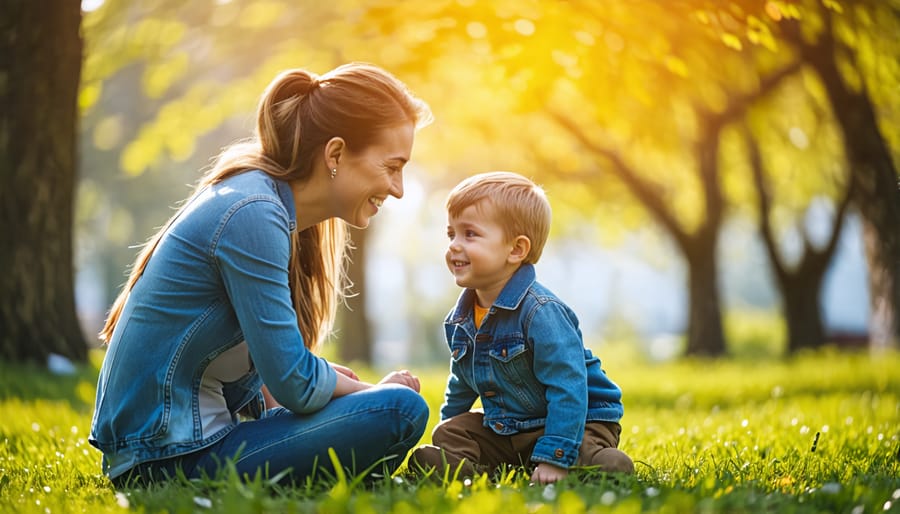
<point x="673" y="119"/>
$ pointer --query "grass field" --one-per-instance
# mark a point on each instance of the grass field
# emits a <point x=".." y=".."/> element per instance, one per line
<point x="818" y="433"/>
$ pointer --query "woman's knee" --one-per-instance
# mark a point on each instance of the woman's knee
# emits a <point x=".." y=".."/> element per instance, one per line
<point x="408" y="404"/>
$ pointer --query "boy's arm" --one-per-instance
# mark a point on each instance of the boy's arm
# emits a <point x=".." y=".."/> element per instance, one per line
<point x="458" y="397"/>
<point x="559" y="365"/>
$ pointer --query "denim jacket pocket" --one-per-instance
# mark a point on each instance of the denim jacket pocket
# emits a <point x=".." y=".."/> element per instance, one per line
<point x="512" y="362"/>
<point x="512" y="359"/>
<point x="458" y="350"/>
<point x="508" y="349"/>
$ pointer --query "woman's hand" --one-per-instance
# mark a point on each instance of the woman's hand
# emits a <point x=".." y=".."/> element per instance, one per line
<point x="402" y="377"/>
<point x="344" y="370"/>
<point x="546" y="473"/>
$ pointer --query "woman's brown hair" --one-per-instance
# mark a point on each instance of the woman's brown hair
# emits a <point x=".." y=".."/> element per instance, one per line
<point x="297" y="114"/>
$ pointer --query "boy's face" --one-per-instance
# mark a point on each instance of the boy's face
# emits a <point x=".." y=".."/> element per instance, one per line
<point x="478" y="255"/>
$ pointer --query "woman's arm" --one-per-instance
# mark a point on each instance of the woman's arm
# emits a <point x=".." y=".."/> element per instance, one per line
<point x="346" y="384"/>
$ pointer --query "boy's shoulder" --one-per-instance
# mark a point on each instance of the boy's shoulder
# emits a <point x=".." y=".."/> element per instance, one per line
<point x="543" y="294"/>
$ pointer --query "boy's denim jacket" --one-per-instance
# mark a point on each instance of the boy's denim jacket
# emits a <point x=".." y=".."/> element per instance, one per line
<point x="529" y="365"/>
<point x="218" y="277"/>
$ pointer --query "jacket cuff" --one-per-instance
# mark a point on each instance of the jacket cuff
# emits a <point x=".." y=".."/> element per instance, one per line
<point x="555" y="450"/>
<point x="323" y="390"/>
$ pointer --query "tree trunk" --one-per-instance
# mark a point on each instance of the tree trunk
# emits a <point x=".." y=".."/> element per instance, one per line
<point x="355" y="335"/>
<point x="40" y="66"/>
<point x="878" y="200"/>
<point x="877" y="193"/>
<point x="705" y="336"/>
<point x="803" y="314"/>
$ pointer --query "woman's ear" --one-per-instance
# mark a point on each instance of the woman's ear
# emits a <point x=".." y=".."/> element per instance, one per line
<point x="521" y="247"/>
<point x="334" y="150"/>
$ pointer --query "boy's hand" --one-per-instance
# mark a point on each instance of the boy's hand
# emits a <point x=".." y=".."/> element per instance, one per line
<point x="548" y="473"/>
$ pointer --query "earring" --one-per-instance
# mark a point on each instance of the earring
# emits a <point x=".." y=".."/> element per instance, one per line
<point x="333" y="172"/>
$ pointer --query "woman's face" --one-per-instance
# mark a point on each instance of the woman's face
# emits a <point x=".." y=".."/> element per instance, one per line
<point x="366" y="178"/>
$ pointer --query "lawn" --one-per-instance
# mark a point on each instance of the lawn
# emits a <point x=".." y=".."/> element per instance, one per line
<point x="817" y="433"/>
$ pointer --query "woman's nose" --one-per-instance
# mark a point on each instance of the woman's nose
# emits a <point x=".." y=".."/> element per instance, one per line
<point x="397" y="185"/>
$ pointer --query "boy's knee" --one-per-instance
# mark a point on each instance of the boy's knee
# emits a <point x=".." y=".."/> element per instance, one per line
<point x="442" y="434"/>
<point x="461" y="425"/>
<point x="612" y="460"/>
<point x="429" y="457"/>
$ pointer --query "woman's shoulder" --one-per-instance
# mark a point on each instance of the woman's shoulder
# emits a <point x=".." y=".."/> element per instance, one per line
<point x="248" y="183"/>
<point x="251" y="192"/>
<point x="250" y="186"/>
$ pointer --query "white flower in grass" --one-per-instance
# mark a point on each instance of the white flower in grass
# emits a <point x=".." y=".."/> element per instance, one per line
<point x="608" y="498"/>
<point x="831" y="488"/>
<point x="549" y="493"/>
<point x="201" y="502"/>
<point x="122" y="500"/>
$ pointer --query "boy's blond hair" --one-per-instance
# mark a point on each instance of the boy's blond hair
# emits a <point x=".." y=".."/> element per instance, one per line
<point x="520" y="206"/>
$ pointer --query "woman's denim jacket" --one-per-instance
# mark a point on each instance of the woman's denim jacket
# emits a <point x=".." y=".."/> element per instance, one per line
<point x="529" y="365"/>
<point x="219" y="276"/>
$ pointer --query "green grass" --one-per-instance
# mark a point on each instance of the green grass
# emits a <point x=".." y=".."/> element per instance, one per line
<point x="707" y="436"/>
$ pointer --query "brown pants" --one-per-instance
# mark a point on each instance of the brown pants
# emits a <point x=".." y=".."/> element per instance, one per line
<point x="468" y="444"/>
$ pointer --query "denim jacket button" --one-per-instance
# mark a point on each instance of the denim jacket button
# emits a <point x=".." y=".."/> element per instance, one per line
<point x="489" y="394"/>
<point x="498" y="426"/>
<point x="559" y="453"/>
<point x="503" y="352"/>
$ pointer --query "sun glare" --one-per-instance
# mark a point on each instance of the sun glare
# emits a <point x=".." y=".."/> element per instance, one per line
<point x="91" y="5"/>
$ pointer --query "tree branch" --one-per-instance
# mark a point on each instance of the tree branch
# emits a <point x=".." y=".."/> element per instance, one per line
<point x="764" y="201"/>
<point x="739" y="103"/>
<point x="643" y="190"/>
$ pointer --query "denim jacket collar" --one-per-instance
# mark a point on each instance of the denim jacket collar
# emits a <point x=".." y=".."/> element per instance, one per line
<point x="510" y="297"/>
<point x="514" y="290"/>
<point x="287" y="198"/>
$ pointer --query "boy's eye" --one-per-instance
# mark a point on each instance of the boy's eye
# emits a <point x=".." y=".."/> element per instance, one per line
<point x="450" y="235"/>
<point x="470" y="233"/>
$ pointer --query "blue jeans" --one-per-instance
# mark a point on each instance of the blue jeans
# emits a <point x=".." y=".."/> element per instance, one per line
<point x="381" y="423"/>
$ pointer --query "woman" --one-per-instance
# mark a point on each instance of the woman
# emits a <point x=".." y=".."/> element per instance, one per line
<point x="242" y="284"/>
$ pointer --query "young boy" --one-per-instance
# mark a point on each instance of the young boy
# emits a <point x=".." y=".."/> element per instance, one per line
<point x="513" y="343"/>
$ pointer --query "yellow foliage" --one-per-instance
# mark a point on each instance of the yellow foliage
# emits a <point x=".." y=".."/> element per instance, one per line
<point x="156" y="33"/>
<point x="108" y="132"/>
<point x="138" y="155"/>
<point x="676" y="66"/>
<point x="158" y="77"/>
<point x="88" y="95"/>
<point x="732" y="41"/>
<point x="261" y="14"/>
